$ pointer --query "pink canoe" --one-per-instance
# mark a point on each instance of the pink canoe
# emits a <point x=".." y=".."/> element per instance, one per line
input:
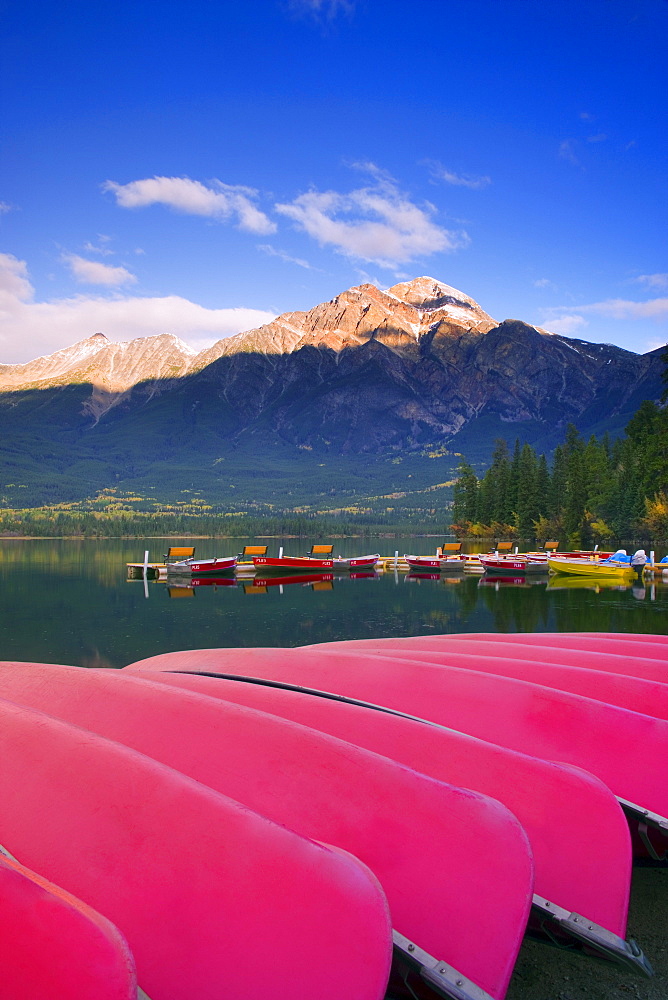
<point x="54" y="947"/>
<point x="637" y="649"/>
<point x="182" y="871"/>
<point x="577" y="874"/>
<point x="616" y="745"/>
<point x="636" y="694"/>
<point x="486" y="644"/>
<point x="402" y="824"/>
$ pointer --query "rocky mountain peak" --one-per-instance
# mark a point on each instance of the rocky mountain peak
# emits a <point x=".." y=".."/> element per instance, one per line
<point x="428" y="294"/>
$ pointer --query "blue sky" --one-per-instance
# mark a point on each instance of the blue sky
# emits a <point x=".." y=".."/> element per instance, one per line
<point x="196" y="168"/>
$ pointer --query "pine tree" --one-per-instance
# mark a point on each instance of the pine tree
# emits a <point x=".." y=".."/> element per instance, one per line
<point x="465" y="495"/>
<point x="528" y="502"/>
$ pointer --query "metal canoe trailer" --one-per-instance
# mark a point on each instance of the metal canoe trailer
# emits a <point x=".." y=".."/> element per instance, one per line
<point x="182" y="871"/>
<point x="425" y="841"/>
<point x="610" y="742"/>
<point x="55" y="946"/>
<point x="634" y="693"/>
<point x="559" y="806"/>
<point x="531" y="648"/>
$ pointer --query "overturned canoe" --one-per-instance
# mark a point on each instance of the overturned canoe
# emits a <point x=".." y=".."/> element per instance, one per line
<point x="577" y="873"/>
<point x="54" y="947"/>
<point x="638" y="695"/>
<point x="330" y="791"/>
<point x="489" y="644"/>
<point x="181" y="869"/>
<point x="643" y="656"/>
<point x="613" y="743"/>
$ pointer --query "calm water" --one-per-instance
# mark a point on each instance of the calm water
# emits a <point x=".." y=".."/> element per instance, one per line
<point x="70" y="602"/>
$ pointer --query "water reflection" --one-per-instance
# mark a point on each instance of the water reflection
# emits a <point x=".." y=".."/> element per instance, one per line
<point x="70" y="602"/>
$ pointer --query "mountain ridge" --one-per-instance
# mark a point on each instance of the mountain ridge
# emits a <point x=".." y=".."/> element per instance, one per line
<point x="417" y="370"/>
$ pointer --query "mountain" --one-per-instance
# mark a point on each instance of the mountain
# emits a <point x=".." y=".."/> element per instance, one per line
<point x="317" y="407"/>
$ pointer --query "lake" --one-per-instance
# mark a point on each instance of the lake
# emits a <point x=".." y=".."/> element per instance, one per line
<point x="69" y="601"/>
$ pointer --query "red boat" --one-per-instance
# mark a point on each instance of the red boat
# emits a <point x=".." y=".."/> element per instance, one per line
<point x="310" y="564"/>
<point x="512" y="565"/>
<point x="437" y="564"/>
<point x="302" y="578"/>
<point x="202" y="567"/>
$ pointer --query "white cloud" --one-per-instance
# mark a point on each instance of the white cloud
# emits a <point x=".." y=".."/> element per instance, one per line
<point x="93" y="272"/>
<point x="626" y="309"/>
<point x="600" y="137"/>
<point x="102" y="248"/>
<point x="566" y="325"/>
<point x="653" y="280"/>
<point x="441" y="173"/>
<point x="29" y="329"/>
<point x="219" y="201"/>
<point x="285" y="257"/>
<point x="377" y="223"/>
<point x="544" y="283"/>
<point x="5" y="207"/>
<point x="568" y="319"/>
<point x="15" y="284"/>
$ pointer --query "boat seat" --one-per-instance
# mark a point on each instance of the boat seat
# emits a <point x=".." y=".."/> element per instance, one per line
<point x="176" y="552"/>
<point x="550" y="546"/>
<point x="249" y="551"/>
<point x="451" y="547"/>
<point x="321" y="550"/>
<point x="503" y="547"/>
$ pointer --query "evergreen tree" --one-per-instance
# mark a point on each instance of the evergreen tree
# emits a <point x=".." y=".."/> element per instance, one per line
<point x="528" y="505"/>
<point x="465" y="495"/>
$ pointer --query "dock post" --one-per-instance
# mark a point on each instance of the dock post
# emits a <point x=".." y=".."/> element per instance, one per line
<point x="280" y="552"/>
<point x="145" y="562"/>
<point x="396" y="559"/>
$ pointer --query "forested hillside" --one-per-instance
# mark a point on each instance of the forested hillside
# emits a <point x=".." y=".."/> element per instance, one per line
<point x="591" y="491"/>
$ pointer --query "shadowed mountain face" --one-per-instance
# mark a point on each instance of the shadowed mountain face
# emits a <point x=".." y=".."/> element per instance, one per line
<point x="371" y="372"/>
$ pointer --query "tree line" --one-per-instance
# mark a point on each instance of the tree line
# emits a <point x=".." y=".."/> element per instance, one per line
<point x="46" y="523"/>
<point x="590" y="492"/>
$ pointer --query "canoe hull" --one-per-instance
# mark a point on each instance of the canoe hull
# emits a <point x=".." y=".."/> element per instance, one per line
<point x="330" y="791"/>
<point x="55" y="947"/>
<point x="610" y="742"/>
<point x="69" y="794"/>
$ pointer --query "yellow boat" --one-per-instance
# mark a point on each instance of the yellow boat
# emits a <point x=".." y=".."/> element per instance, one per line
<point x="588" y="567"/>
<point x="564" y="581"/>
